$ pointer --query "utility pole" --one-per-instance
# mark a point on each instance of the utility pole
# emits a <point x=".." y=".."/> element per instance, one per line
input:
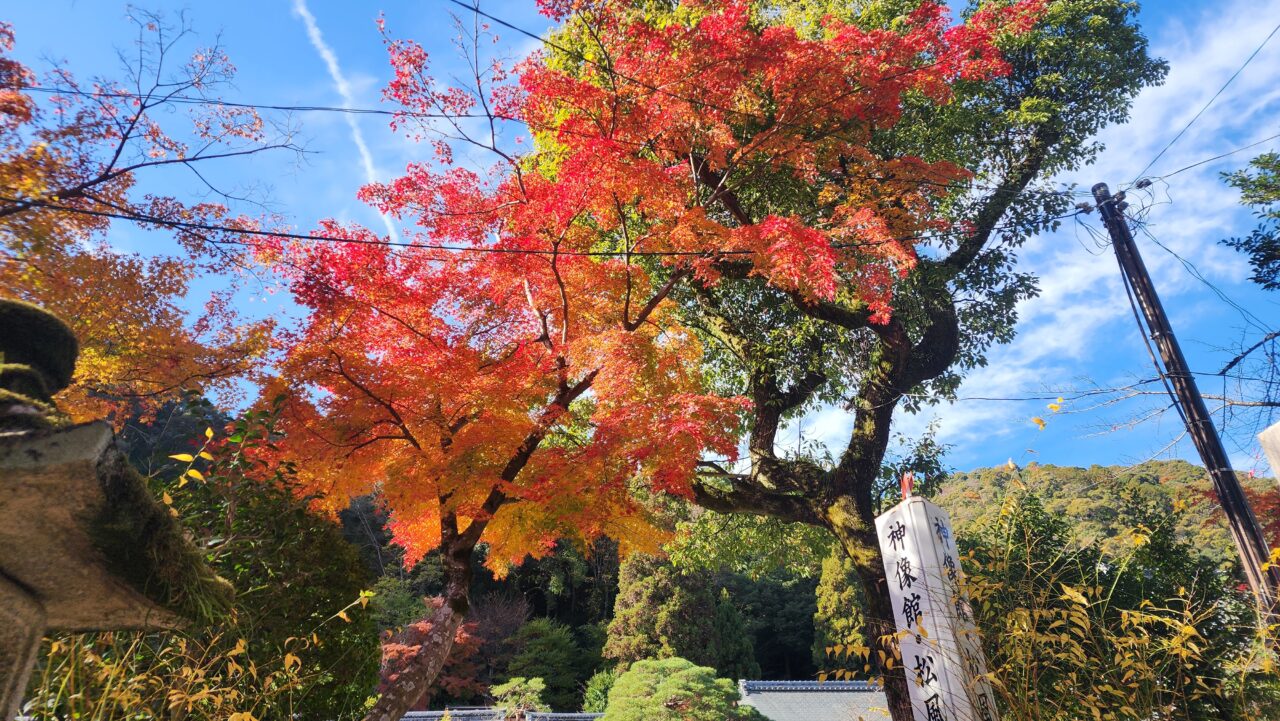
<point x="1245" y="531"/>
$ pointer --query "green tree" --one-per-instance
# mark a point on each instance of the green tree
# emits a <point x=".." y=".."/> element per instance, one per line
<point x="736" y="653"/>
<point x="664" y="612"/>
<point x="520" y="694"/>
<point x="1094" y="499"/>
<point x="838" y="619"/>
<point x="1074" y="73"/>
<point x="1259" y="187"/>
<point x="595" y="697"/>
<point x="547" y="650"/>
<point x="778" y="608"/>
<point x="674" y="689"/>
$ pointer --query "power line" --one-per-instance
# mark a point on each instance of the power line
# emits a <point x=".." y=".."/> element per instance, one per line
<point x="1222" y="89"/>
<point x="187" y="225"/>
<point x="1249" y="316"/>
<point x="1220" y="156"/>
<point x="191" y="100"/>
<point x="219" y="102"/>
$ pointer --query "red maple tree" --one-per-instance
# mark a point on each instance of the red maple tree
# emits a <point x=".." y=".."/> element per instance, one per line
<point x="519" y="371"/>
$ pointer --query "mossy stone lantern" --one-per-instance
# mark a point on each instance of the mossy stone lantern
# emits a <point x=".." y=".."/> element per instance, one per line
<point x="83" y="544"/>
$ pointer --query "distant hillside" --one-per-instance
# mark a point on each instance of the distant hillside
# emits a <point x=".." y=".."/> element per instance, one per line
<point x="1093" y="499"/>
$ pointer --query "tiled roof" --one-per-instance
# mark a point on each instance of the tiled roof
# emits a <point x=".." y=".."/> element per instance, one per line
<point x="495" y="714"/>
<point x="815" y="701"/>
<point x="459" y="714"/>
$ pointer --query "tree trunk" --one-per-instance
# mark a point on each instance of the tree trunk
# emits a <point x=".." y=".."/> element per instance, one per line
<point x="420" y="670"/>
<point x="855" y="529"/>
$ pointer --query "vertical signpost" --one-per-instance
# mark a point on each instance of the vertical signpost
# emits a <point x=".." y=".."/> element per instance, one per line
<point x="941" y="652"/>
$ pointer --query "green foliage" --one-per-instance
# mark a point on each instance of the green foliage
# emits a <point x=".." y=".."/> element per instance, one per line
<point x="573" y="585"/>
<point x="287" y="651"/>
<point x="737" y="653"/>
<point x="595" y="697"/>
<point x="778" y="611"/>
<point x="662" y="612"/>
<point x="1072" y="631"/>
<point x="838" y="619"/>
<point x="1259" y="187"/>
<point x="674" y="689"/>
<point x="520" y="694"/>
<point x="748" y="544"/>
<point x="547" y="650"/>
<point x="292" y="568"/>
<point x="1094" y="500"/>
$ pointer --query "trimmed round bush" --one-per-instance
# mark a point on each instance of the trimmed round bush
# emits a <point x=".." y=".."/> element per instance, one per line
<point x="673" y="689"/>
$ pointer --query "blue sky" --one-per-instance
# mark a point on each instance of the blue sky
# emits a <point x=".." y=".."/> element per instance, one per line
<point x="1078" y="334"/>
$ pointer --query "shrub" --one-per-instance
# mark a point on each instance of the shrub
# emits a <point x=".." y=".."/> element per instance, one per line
<point x="595" y="698"/>
<point x="673" y="689"/>
<point x="520" y="694"/>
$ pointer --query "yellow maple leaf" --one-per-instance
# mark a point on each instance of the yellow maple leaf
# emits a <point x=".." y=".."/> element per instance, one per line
<point x="1039" y="422"/>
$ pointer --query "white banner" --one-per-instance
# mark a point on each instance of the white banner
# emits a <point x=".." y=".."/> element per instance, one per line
<point x="941" y="651"/>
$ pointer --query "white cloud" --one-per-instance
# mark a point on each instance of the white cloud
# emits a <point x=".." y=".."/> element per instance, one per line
<point x="344" y="88"/>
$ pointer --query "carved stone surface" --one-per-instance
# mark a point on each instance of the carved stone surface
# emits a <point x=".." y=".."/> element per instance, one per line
<point x="50" y="497"/>
<point x="22" y="623"/>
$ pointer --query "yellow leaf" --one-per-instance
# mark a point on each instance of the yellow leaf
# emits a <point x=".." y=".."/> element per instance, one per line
<point x="168" y="500"/>
<point x="291" y="661"/>
<point x="1072" y="594"/>
<point x="1039" y="422"/>
<point x="208" y="433"/>
<point x="343" y="615"/>
<point x="241" y="647"/>
<point x="195" y="474"/>
<point x="182" y="481"/>
<point x="205" y="455"/>
<point x="184" y="457"/>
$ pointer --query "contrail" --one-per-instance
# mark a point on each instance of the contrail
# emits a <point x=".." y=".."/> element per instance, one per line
<point x="344" y="89"/>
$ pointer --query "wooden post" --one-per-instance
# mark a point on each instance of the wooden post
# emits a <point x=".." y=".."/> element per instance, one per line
<point x="1244" y="527"/>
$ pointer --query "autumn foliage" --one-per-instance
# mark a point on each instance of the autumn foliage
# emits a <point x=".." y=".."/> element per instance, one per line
<point x="72" y="155"/>
<point x="520" y="372"/>
<point x="549" y="325"/>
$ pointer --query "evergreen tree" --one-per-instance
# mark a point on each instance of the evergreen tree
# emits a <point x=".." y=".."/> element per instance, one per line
<point x="548" y="651"/>
<point x="736" y="651"/>
<point x="663" y="612"/>
<point x="838" y="620"/>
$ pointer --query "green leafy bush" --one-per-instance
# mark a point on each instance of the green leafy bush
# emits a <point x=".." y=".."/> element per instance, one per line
<point x="673" y="689"/>
<point x="520" y="694"/>
<point x="595" y="698"/>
